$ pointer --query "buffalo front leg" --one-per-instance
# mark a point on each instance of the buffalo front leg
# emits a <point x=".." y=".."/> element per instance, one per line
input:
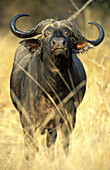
<point x="51" y="133"/>
<point x="50" y="140"/>
<point x="65" y="136"/>
<point x="51" y="137"/>
<point x="30" y="144"/>
<point x="66" y="129"/>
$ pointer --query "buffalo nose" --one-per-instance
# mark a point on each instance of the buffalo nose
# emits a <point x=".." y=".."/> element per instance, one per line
<point x="58" y="42"/>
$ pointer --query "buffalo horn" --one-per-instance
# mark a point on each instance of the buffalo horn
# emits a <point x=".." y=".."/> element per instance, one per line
<point x="30" y="33"/>
<point x="100" y="37"/>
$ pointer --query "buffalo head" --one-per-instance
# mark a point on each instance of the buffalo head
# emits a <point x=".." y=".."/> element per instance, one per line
<point x="59" y="39"/>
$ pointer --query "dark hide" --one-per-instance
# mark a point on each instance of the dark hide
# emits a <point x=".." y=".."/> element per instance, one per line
<point x="45" y="74"/>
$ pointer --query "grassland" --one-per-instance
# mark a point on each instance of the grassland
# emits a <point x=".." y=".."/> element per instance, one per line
<point x="90" y="141"/>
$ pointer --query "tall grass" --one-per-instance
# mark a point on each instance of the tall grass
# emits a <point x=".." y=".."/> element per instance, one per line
<point x="90" y="140"/>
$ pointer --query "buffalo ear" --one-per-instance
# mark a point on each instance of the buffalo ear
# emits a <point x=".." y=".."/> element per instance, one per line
<point x="84" y="46"/>
<point x="32" y="43"/>
<point x="81" y="45"/>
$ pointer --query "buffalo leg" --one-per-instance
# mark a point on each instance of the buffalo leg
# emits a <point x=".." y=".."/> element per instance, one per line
<point x="66" y="133"/>
<point x="67" y="130"/>
<point x="30" y="144"/>
<point x="51" y="137"/>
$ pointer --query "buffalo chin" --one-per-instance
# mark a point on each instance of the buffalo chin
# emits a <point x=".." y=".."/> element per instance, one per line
<point x="60" y="58"/>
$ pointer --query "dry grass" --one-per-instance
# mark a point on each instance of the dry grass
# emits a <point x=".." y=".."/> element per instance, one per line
<point x="90" y="141"/>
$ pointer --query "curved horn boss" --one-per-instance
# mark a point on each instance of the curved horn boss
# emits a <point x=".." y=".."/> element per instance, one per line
<point x="38" y="29"/>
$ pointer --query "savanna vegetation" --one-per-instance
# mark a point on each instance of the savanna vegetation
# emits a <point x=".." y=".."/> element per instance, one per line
<point x="90" y="140"/>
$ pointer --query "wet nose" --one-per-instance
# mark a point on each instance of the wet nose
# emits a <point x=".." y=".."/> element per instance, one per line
<point x="58" y="42"/>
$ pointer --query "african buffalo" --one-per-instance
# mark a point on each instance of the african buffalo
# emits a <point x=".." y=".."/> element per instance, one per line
<point x="48" y="81"/>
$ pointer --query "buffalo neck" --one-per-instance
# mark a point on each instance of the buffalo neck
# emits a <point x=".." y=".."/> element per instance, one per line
<point x="54" y="80"/>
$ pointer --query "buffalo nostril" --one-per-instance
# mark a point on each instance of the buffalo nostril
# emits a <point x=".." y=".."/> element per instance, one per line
<point x="64" y="42"/>
<point x="53" y="42"/>
<point x="58" y="42"/>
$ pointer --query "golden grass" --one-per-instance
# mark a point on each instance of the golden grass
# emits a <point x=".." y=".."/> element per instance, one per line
<point x="90" y="140"/>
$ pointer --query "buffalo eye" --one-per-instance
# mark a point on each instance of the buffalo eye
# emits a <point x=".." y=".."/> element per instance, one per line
<point x="68" y="34"/>
<point x="46" y="34"/>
